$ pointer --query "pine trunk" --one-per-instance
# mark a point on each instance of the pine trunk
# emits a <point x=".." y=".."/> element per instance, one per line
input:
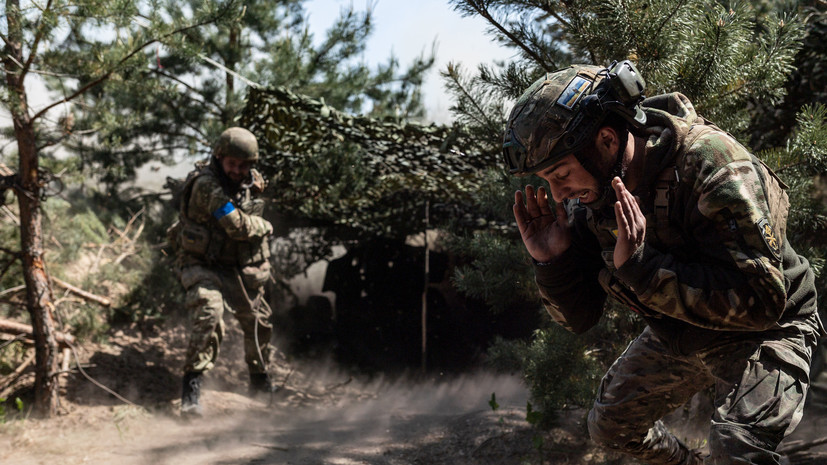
<point x="38" y="291"/>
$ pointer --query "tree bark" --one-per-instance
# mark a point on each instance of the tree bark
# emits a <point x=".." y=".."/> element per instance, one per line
<point x="231" y="62"/>
<point x="38" y="291"/>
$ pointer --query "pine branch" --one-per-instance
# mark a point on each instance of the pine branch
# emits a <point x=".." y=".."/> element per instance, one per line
<point x="340" y="30"/>
<point x="574" y="12"/>
<point x="187" y="123"/>
<point x="482" y="10"/>
<point x="53" y="142"/>
<point x="668" y="18"/>
<point x="191" y="89"/>
<point x="126" y="58"/>
<point x="40" y="28"/>
<point x="453" y="74"/>
<point x="715" y="46"/>
<point x="143" y="149"/>
<point x="554" y="14"/>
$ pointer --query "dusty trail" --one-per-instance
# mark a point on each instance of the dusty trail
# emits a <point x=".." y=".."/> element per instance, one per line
<point x="376" y="423"/>
<point x="325" y="416"/>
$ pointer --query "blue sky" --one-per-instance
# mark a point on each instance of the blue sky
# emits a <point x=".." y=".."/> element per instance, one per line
<point x="409" y="28"/>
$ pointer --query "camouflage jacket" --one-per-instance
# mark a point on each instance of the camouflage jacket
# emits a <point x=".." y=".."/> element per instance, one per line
<point x="714" y="265"/>
<point x="220" y="223"/>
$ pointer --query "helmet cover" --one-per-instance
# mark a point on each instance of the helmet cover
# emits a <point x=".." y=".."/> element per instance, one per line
<point x="539" y="128"/>
<point x="238" y="143"/>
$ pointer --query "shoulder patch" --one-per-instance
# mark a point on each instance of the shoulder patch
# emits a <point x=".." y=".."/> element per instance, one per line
<point x="576" y="89"/>
<point x="770" y="238"/>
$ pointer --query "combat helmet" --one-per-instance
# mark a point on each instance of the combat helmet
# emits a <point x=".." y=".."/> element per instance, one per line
<point x="560" y="112"/>
<point x="237" y="143"/>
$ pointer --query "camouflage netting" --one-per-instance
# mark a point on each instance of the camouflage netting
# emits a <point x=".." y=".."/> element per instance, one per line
<point x="357" y="171"/>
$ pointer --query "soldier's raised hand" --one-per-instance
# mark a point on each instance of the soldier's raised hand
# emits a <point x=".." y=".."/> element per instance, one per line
<point x="546" y="235"/>
<point x="631" y="224"/>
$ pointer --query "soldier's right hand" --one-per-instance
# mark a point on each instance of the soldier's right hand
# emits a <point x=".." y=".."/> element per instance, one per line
<point x="546" y="235"/>
<point x="261" y="227"/>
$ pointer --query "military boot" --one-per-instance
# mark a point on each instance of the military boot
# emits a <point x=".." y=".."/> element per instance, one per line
<point x="190" y="392"/>
<point x="261" y="383"/>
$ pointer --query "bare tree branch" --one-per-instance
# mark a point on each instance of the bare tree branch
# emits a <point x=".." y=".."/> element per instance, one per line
<point x="81" y="293"/>
<point x="13" y="327"/>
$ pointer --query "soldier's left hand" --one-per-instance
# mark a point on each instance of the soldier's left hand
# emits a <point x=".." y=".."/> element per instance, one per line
<point x="631" y="224"/>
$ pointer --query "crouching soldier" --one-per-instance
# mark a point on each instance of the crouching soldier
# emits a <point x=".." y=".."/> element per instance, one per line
<point x="668" y="214"/>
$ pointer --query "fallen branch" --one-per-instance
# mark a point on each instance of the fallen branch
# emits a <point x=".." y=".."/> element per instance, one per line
<point x="10" y="215"/>
<point x="85" y="294"/>
<point x="13" y="327"/>
<point x="338" y="385"/>
<point x="67" y="356"/>
<point x="8" y="339"/>
<point x="12" y="290"/>
<point x="10" y="379"/>
<point x="5" y="170"/>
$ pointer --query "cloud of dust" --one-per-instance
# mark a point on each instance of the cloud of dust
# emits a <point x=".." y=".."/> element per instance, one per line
<point x="325" y="414"/>
<point x="444" y="394"/>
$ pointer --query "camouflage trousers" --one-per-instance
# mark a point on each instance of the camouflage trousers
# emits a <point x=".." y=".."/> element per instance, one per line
<point x="760" y="383"/>
<point x="817" y="399"/>
<point x="208" y="292"/>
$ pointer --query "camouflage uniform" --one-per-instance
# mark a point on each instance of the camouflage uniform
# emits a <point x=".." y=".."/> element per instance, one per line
<point x="223" y="262"/>
<point x="727" y="300"/>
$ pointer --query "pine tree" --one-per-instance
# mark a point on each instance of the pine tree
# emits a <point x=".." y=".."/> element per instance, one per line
<point x="724" y="58"/>
<point x="29" y="33"/>
<point x="191" y="87"/>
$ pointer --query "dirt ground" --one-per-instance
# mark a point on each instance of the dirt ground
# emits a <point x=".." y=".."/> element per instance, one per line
<point x="323" y="415"/>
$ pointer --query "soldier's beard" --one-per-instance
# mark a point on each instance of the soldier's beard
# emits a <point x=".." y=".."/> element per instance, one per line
<point x="224" y="179"/>
<point x="604" y="173"/>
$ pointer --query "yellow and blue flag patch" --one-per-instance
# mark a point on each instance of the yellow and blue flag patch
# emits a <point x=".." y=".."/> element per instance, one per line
<point x="576" y="89"/>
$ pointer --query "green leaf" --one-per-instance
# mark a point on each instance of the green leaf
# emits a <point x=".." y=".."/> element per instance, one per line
<point x="493" y="402"/>
<point x="532" y="416"/>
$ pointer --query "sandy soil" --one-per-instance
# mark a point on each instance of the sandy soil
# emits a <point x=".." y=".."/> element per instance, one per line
<point x="324" y="415"/>
<point x="379" y="423"/>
